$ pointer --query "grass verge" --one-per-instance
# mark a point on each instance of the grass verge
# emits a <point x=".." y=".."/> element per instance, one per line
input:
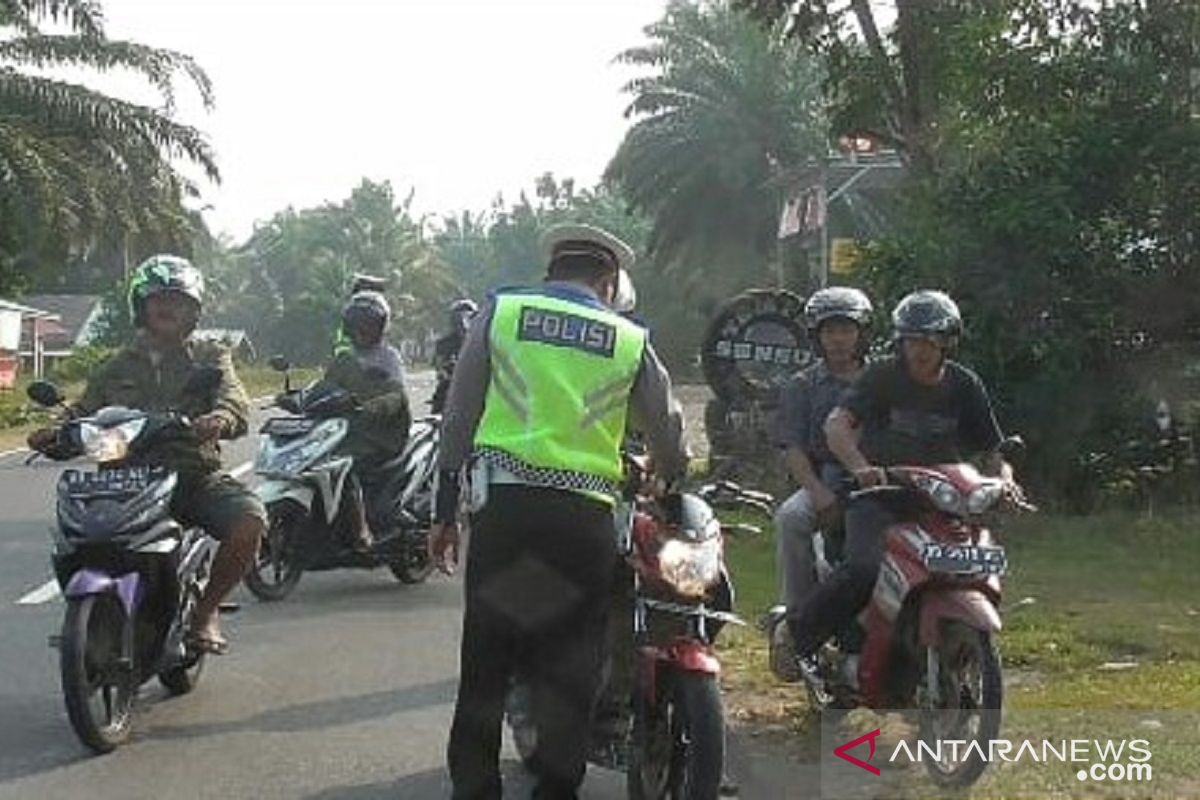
<point x="1101" y="614"/>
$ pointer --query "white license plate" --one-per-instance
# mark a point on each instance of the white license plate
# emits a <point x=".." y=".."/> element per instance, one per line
<point x="965" y="559"/>
<point x="107" y="482"/>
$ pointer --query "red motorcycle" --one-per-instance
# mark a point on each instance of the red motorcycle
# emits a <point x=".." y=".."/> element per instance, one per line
<point x="661" y="705"/>
<point x="928" y="632"/>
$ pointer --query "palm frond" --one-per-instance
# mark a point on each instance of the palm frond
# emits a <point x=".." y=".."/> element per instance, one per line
<point x="159" y="66"/>
<point x="63" y="106"/>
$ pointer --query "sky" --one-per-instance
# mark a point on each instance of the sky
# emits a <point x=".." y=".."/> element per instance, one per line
<point x="457" y="101"/>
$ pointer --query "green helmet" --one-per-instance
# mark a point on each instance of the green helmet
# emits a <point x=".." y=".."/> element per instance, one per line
<point x="163" y="273"/>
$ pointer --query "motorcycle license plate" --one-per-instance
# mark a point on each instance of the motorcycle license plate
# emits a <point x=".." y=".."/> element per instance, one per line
<point x="108" y="482"/>
<point x="288" y="427"/>
<point x="965" y="559"/>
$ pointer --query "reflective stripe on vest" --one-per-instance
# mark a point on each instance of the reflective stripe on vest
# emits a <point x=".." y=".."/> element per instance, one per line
<point x="561" y="375"/>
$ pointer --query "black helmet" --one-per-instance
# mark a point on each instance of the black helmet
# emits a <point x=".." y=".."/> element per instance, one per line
<point x="369" y="308"/>
<point x="837" y="302"/>
<point x="367" y="283"/>
<point x="460" y="313"/>
<point x="927" y="313"/>
<point x="163" y="273"/>
<point x="464" y="307"/>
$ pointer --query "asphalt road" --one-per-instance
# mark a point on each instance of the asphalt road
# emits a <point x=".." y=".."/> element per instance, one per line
<point x="345" y="690"/>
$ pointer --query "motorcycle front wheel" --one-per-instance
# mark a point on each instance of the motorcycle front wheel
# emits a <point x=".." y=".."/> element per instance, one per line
<point x="182" y="678"/>
<point x="277" y="568"/>
<point x="413" y="564"/>
<point x="677" y="750"/>
<point x="971" y="691"/>
<point x="97" y="687"/>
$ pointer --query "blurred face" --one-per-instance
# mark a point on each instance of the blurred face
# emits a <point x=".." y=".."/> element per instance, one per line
<point x="171" y="316"/>
<point x="924" y="356"/>
<point x="839" y="341"/>
<point x="364" y="333"/>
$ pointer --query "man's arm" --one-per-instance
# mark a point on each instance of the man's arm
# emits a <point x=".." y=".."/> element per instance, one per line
<point x="232" y="404"/>
<point x="655" y="411"/>
<point x="841" y="431"/>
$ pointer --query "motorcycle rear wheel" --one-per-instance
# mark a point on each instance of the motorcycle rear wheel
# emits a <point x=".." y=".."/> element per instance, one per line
<point x="97" y="688"/>
<point x="677" y="750"/>
<point x="972" y="690"/>
<point x="277" y="569"/>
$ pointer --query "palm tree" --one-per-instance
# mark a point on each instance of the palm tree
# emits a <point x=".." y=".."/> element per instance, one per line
<point x="75" y="162"/>
<point x="727" y="106"/>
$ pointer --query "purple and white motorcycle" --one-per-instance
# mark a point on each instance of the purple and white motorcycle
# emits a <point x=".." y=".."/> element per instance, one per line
<point x="130" y="574"/>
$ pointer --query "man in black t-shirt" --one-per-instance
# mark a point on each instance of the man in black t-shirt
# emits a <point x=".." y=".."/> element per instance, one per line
<point x="915" y="408"/>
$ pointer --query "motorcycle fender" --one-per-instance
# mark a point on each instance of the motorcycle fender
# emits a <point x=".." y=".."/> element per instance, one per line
<point x="89" y="582"/>
<point x="330" y="478"/>
<point x="690" y="655"/>
<point x="274" y="491"/>
<point x="969" y="606"/>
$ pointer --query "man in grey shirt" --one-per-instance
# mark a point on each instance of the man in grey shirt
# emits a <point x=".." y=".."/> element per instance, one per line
<point x="837" y="320"/>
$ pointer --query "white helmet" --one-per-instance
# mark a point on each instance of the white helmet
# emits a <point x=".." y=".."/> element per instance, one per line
<point x="625" y="296"/>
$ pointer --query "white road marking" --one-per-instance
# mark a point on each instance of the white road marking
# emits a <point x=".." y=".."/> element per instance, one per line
<point x="18" y="451"/>
<point x="241" y="469"/>
<point x="43" y="594"/>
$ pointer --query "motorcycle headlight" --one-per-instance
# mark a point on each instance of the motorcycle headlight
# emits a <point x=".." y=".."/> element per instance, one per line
<point x="691" y="567"/>
<point x="984" y="497"/>
<point x="109" y="444"/>
<point x="944" y="495"/>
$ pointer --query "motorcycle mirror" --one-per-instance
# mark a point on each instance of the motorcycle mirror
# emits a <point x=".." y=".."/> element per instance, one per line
<point x="1012" y="446"/>
<point x="279" y="363"/>
<point x="44" y="393"/>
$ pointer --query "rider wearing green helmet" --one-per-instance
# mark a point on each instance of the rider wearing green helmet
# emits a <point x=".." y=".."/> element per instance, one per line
<point x="164" y="369"/>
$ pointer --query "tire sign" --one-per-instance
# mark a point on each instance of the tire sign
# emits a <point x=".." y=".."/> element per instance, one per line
<point x="755" y="345"/>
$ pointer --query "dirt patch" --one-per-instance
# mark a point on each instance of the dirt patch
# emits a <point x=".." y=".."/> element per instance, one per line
<point x="694" y="397"/>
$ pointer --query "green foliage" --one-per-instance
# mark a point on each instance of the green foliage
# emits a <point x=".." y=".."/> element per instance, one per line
<point x="287" y="284"/>
<point x="1055" y="193"/>
<point x="80" y="365"/>
<point x="78" y="167"/>
<point x="724" y="110"/>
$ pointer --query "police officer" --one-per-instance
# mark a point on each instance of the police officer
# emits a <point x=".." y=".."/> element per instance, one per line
<point x="540" y="399"/>
<point x="155" y="372"/>
<point x="838" y="320"/>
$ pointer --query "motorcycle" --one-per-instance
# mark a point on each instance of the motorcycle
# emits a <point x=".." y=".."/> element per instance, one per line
<point x="674" y="596"/>
<point x="927" y="636"/>
<point x="130" y="574"/>
<point x="307" y="488"/>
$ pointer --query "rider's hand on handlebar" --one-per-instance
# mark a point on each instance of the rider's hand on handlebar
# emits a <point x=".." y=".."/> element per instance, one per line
<point x="870" y="476"/>
<point x="209" y="426"/>
<point x="1015" y="496"/>
<point x="42" y="439"/>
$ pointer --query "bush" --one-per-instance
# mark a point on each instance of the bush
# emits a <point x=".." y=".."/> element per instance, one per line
<point x="80" y="365"/>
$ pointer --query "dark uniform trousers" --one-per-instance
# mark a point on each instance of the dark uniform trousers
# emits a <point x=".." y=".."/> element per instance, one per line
<point x="540" y="565"/>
